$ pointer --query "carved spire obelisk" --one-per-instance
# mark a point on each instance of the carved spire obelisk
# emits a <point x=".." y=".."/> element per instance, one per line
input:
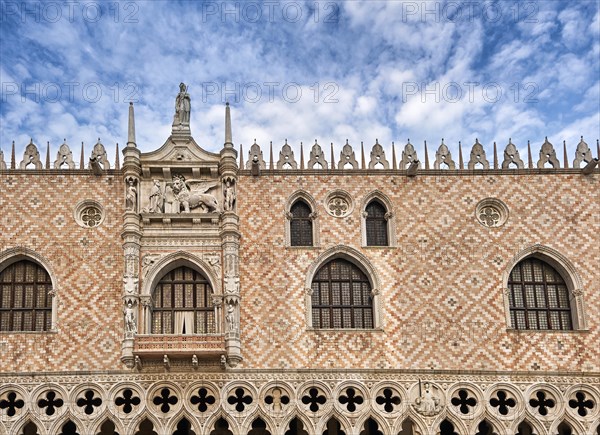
<point x="229" y="306"/>
<point x="135" y="309"/>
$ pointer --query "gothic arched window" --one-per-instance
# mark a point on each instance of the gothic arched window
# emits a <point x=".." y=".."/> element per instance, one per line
<point x="341" y="297"/>
<point x="25" y="297"/>
<point x="301" y="226"/>
<point x="376" y="223"/>
<point x="538" y="297"/>
<point x="183" y="304"/>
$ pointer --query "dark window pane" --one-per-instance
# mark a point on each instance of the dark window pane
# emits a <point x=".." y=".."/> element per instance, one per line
<point x="301" y="224"/>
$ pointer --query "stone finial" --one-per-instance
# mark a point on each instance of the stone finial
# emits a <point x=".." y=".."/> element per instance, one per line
<point x="31" y="156"/>
<point x="478" y="156"/>
<point x="301" y="156"/>
<point x="99" y="156"/>
<point x="565" y="156"/>
<point x="241" y="156"/>
<point x="48" y="155"/>
<point x="442" y="155"/>
<point x="131" y="127"/>
<point x="13" y="159"/>
<point x="409" y="155"/>
<point x="228" y="135"/>
<point x="511" y="155"/>
<point x="529" y="156"/>
<point x="317" y="157"/>
<point x="64" y="156"/>
<point x="548" y="155"/>
<point x="347" y="156"/>
<point x="362" y="155"/>
<point x="81" y="157"/>
<point x="332" y="157"/>
<point x="117" y="161"/>
<point x="394" y="163"/>
<point x="426" y="157"/>
<point x="255" y="155"/>
<point x="460" y="156"/>
<point x="286" y="158"/>
<point x="583" y="153"/>
<point x="378" y="156"/>
<point x="2" y="164"/>
<point x="271" y="163"/>
<point x="496" y="155"/>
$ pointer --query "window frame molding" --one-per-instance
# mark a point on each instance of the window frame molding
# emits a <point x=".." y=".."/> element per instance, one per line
<point x="391" y="221"/>
<point x="310" y="201"/>
<point x="359" y="260"/>
<point x="16" y="254"/>
<point x="569" y="274"/>
<point x="167" y="264"/>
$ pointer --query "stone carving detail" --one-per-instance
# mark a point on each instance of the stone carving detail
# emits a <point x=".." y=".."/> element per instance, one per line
<point x="148" y="261"/>
<point x="255" y="155"/>
<point x="409" y="155"/>
<point x="442" y="155"/>
<point x="229" y="195"/>
<point x="317" y="156"/>
<point x="478" y="156"/>
<point x="230" y="318"/>
<point x="428" y="402"/>
<point x="64" y="156"/>
<point x="99" y="156"/>
<point x="286" y="157"/>
<point x="91" y="216"/>
<point x="378" y="156"/>
<point x="347" y="156"/>
<point x="155" y="199"/>
<point x="2" y="164"/>
<point x="491" y="212"/>
<point x="130" y="320"/>
<point x="548" y="154"/>
<point x="130" y="283"/>
<point x="131" y="195"/>
<point x="188" y="197"/>
<point x="31" y="156"/>
<point x="582" y="154"/>
<point x="183" y="106"/>
<point x="511" y="155"/>
<point x="339" y="204"/>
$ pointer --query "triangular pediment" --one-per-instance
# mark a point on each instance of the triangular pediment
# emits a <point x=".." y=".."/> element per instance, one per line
<point x="179" y="149"/>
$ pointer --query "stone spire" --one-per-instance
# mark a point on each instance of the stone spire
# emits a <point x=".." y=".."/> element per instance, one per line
<point x="228" y="135"/>
<point x="117" y="162"/>
<point x="48" y="155"/>
<point x="81" y="158"/>
<point x="13" y="162"/>
<point x="131" y="128"/>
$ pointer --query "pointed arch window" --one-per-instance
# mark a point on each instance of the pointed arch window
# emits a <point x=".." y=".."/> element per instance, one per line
<point x="301" y="225"/>
<point x="341" y="297"/>
<point x="538" y="297"/>
<point x="376" y="222"/>
<point x="183" y="303"/>
<point x="25" y="297"/>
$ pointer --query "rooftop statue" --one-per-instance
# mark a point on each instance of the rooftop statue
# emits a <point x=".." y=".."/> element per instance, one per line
<point x="182" y="107"/>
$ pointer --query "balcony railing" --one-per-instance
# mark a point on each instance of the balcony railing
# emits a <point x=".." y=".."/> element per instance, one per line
<point x="179" y="345"/>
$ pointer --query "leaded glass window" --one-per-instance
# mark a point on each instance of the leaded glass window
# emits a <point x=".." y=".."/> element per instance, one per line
<point x="538" y="297"/>
<point x="376" y="224"/>
<point x="301" y="225"/>
<point x="341" y="297"/>
<point x="25" y="297"/>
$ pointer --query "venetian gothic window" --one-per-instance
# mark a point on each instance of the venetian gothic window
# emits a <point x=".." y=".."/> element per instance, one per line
<point x="25" y="297"/>
<point x="182" y="303"/>
<point x="538" y="297"/>
<point x="376" y="223"/>
<point x="301" y="226"/>
<point x="341" y="297"/>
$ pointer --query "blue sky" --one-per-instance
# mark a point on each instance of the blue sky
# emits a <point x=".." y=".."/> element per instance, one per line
<point x="302" y="71"/>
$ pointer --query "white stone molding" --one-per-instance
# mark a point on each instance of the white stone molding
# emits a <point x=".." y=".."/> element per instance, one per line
<point x="308" y="198"/>
<point x="391" y="221"/>
<point x="359" y="260"/>
<point x="567" y="271"/>
<point x="18" y="253"/>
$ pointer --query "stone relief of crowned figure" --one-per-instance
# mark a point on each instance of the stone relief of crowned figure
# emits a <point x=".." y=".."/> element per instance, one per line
<point x="427" y="403"/>
<point x="182" y="106"/>
<point x="192" y="194"/>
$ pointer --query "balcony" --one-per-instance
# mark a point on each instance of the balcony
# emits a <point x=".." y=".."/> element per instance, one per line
<point x="157" y="345"/>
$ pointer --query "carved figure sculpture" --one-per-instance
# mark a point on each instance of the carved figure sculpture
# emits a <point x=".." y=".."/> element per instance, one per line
<point x="188" y="198"/>
<point x="182" y="106"/>
<point x="229" y="196"/>
<point x="427" y="403"/>
<point x="230" y="318"/>
<point x="130" y="326"/>
<point x="155" y="198"/>
<point x="131" y="196"/>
